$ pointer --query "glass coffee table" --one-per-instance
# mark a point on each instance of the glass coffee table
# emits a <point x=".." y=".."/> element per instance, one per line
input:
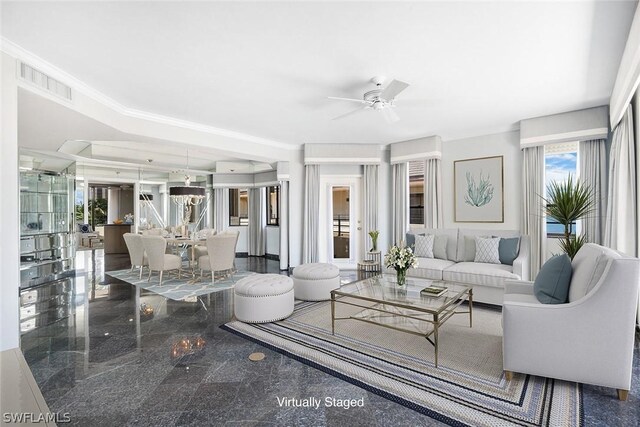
<point x="403" y="308"/>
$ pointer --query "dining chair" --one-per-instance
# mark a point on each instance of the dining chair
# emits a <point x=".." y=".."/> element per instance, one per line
<point x="136" y="251"/>
<point x="222" y="253"/>
<point x="155" y="247"/>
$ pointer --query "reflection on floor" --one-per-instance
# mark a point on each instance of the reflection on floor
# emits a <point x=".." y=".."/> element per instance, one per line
<point x="126" y="357"/>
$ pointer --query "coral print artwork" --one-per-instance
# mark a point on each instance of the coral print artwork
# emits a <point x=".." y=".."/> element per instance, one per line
<point x="479" y="190"/>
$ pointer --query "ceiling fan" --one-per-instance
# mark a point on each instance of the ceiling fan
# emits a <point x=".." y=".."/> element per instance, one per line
<point x="378" y="99"/>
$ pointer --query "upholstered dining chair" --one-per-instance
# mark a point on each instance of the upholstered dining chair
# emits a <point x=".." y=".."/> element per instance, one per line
<point x="222" y="253"/>
<point x="136" y="251"/>
<point x="201" y="250"/>
<point x="155" y="247"/>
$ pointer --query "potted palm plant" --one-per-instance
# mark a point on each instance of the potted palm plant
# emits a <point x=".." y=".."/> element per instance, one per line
<point x="566" y="202"/>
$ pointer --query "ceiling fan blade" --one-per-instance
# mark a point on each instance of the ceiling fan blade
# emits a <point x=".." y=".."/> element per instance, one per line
<point x="361" y="101"/>
<point x="393" y="89"/>
<point x="390" y="115"/>
<point x="350" y="113"/>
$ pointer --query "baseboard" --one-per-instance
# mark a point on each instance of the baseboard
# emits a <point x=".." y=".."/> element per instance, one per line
<point x="242" y="254"/>
<point x="272" y="257"/>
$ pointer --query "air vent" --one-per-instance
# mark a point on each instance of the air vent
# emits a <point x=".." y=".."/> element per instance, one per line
<point x="43" y="81"/>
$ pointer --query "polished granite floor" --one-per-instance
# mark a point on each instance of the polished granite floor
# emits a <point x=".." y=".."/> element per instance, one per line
<point x="111" y="364"/>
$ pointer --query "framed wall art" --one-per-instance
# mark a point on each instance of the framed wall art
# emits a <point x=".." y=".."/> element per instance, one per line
<point x="479" y="190"/>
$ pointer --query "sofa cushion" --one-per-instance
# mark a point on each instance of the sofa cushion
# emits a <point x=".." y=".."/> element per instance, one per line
<point x="588" y="266"/>
<point x="440" y="247"/>
<point x="478" y="273"/>
<point x="508" y="249"/>
<point x="424" y="246"/>
<point x="487" y="250"/>
<point x="552" y="283"/>
<point x="430" y="268"/>
<point x="464" y="233"/>
<point x="452" y="239"/>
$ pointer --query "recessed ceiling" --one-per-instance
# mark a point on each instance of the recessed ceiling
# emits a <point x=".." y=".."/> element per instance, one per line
<point x="265" y="69"/>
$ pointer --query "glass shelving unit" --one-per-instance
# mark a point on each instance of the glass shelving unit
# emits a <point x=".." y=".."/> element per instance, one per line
<point x="46" y="227"/>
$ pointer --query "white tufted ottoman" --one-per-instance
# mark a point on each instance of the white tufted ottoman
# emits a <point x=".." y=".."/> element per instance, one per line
<point x="262" y="298"/>
<point x="314" y="282"/>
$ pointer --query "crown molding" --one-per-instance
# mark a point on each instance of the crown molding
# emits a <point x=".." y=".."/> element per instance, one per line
<point x="16" y="51"/>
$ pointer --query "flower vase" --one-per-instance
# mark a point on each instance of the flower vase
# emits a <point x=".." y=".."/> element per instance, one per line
<point x="401" y="276"/>
<point x="374" y="245"/>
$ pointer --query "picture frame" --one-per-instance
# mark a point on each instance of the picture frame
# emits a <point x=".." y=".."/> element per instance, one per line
<point x="479" y="189"/>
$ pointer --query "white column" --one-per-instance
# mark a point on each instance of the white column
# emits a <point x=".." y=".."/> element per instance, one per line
<point x="284" y="225"/>
<point x="85" y="197"/>
<point x="136" y="206"/>
<point x="113" y="204"/>
<point x="9" y="208"/>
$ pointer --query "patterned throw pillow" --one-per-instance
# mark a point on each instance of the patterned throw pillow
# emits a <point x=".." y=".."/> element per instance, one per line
<point x="487" y="250"/>
<point x="84" y="228"/>
<point x="424" y="246"/>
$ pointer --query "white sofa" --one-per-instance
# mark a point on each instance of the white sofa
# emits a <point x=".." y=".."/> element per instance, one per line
<point x="590" y="339"/>
<point x="486" y="279"/>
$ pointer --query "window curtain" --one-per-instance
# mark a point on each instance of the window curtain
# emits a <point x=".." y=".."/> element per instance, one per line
<point x="620" y="226"/>
<point x="311" y="214"/>
<point x="370" y="185"/>
<point x="400" y="210"/>
<point x="533" y="223"/>
<point x="220" y="208"/>
<point x="433" y="217"/>
<point x="593" y="173"/>
<point x="257" y="221"/>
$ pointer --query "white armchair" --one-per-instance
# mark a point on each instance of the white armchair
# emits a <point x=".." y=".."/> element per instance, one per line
<point x="590" y="339"/>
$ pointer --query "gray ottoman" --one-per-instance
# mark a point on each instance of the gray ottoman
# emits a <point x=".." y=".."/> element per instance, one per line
<point x="314" y="282"/>
<point x="262" y="298"/>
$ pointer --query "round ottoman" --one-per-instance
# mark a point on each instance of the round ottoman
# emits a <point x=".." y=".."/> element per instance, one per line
<point x="262" y="298"/>
<point x="314" y="282"/>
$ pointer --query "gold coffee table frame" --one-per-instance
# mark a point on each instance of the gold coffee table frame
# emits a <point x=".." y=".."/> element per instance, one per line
<point x="393" y="305"/>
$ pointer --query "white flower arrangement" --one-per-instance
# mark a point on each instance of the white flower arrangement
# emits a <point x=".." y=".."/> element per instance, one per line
<point x="400" y="258"/>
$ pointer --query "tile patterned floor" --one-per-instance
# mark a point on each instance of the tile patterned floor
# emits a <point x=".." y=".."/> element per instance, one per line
<point x="110" y="365"/>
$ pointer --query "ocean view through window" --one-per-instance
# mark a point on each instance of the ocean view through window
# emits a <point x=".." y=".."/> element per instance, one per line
<point x="561" y="160"/>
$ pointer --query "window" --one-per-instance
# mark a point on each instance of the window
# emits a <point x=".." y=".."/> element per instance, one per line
<point x="273" y="204"/>
<point x="560" y="160"/>
<point x="79" y="202"/>
<point x="416" y="192"/>
<point x="238" y="207"/>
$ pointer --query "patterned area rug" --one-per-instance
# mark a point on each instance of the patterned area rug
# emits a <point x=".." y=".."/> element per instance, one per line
<point x="467" y="388"/>
<point x="178" y="289"/>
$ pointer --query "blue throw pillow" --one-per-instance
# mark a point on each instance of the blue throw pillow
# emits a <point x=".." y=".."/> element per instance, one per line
<point x="552" y="284"/>
<point x="410" y="240"/>
<point x="508" y="250"/>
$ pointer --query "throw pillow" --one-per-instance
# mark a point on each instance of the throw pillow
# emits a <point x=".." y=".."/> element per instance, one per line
<point x="487" y="250"/>
<point x="424" y="246"/>
<point x="84" y="228"/>
<point x="469" y="248"/>
<point x="440" y="247"/>
<point x="410" y="241"/>
<point x="552" y="283"/>
<point x="508" y="250"/>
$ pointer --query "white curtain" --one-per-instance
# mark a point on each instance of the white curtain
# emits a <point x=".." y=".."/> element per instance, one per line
<point x="257" y="221"/>
<point x="433" y="217"/>
<point x="221" y="208"/>
<point x="284" y="225"/>
<point x="311" y="214"/>
<point x="533" y="224"/>
<point x="370" y="185"/>
<point x="593" y="173"/>
<point x="620" y="225"/>
<point x="400" y="210"/>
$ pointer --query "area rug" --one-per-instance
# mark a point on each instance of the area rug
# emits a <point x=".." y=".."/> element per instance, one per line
<point x="467" y="388"/>
<point x="178" y="289"/>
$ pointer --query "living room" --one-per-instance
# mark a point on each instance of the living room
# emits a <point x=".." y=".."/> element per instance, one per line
<point x="406" y="121"/>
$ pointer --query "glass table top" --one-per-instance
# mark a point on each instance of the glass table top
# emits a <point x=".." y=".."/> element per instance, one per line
<point x="383" y="288"/>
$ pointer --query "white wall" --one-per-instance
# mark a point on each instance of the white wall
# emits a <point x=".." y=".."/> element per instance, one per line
<point x="502" y="144"/>
<point x="243" y="238"/>
<point x="9" y="223"/>
<point x="273" y="240"/>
